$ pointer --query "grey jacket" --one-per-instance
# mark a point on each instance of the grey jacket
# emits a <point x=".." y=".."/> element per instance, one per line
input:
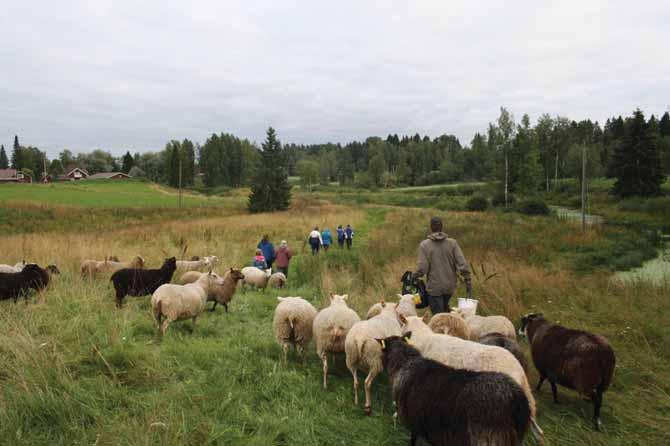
<point x="440" y="258"/>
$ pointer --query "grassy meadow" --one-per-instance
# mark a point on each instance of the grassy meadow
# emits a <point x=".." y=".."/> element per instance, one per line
<point x="75" y="370"/>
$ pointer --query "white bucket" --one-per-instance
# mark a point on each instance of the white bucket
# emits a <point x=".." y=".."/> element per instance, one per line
<point x="467" y="306"/>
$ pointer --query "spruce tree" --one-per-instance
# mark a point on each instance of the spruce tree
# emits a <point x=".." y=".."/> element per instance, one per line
<point x="17" y="155"/>
<point x="4" y="162"/>
<point x="637" y="161"/>
<point x="270" y="190"/>
<point x="127" y="162"/>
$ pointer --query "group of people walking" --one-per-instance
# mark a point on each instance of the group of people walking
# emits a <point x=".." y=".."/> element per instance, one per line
<point x="318" y="240"/>
<point x="267" y="257"/>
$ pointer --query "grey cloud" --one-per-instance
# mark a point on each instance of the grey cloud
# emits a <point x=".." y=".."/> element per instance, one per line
<point x="132" y="75"/>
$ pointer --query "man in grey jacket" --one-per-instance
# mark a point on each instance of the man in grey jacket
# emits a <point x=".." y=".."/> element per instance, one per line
<point x="440" y="258"/>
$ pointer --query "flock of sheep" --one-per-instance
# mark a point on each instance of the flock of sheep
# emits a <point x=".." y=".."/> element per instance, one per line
<point x="457" y="378"/>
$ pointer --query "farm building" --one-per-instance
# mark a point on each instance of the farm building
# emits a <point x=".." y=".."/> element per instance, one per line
<point x="14" y="176"/>
<point x="109" y="176"/>
<point x="73" y="174"/>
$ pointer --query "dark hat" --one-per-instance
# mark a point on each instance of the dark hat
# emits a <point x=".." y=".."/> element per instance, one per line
<point x="436" y="221"/>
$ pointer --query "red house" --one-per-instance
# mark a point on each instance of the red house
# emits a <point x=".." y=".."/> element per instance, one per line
<point x="14" y="176"/>
<point x="109" y="176"/>
<point x="73" y="174"/>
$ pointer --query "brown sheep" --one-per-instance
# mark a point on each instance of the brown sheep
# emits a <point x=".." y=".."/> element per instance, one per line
<point x="575" y="359"/>
<point x="224" y="294"/>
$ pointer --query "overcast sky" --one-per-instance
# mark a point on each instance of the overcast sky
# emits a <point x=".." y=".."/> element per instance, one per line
<point x="123" y="74"/>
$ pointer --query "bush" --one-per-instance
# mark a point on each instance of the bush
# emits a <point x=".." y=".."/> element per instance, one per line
<point x="477" y="204"/>
<point x="499" y="199"/>
<point x="534" y="206"/>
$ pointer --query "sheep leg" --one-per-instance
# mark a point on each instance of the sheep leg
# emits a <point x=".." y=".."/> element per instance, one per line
<point x="303" y="354"/>
<point x="539" y="384"/>
<point x="368" y="391"/>
<point x="537" y="432"/>
<point x="324" y="358"/>
<point x="214" y="307"/>
<point x="225" y="306"/>
<point x="165" y="325"/>
<point x="412" y="440"/>
<point x="193" y="326"/>
<point x="354" y="373"/>
<point x="554" y="390"/>
<point x="285" y="348"/>
<point x="597" y="403"/>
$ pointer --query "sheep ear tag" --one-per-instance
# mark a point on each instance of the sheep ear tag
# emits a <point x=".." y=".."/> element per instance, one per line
<point x="417" y="299"/>
<point x="383" y="344"/>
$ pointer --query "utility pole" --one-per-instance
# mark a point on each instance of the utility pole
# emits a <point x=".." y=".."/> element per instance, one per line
<point x="583" y="189"/>
<point x="506" y="177"/>
<point x="44" y="164"/>
<point x="179" y="180"/>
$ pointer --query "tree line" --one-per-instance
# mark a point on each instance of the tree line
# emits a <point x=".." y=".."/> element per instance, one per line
<point x="531" y="157"/>
<point x="525" y="158"/>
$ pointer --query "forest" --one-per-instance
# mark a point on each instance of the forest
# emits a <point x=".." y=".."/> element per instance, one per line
<point x="530" y="157"/>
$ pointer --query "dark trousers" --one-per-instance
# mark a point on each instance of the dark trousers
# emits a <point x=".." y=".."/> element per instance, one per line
<point x="340" y="242"/>
<point x="283" y="270"/>
<point x="439" y="304"/>
<point x="314" y="243"/>
<point x="349" y="241"/>
<point x="325" y="247"/>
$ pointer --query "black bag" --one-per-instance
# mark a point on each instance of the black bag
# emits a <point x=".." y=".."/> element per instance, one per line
<point x="416" y="287"/>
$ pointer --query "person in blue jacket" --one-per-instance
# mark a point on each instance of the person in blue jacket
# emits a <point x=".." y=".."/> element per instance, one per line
<point x="349" y="236"/>
<point x="340" y="236"/>
<point x="327" y="238"/>
<point x="268" y="250"/>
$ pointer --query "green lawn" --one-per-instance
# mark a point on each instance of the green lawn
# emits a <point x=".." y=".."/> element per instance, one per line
<point x="102" y="194"/>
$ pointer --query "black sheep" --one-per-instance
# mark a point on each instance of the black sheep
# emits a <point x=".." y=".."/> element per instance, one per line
<point x="447" y="406"/>
<point x="140" y="282"/>
<point x="575" y="359"/>
<point x="508" y="344"/>
<point x="16" y="285"/>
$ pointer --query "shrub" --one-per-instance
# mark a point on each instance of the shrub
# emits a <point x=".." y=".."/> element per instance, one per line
<point x="499" y="199"/>
<point x="477" y="204"/>
<point x="534" y="206"/>
<point x="465" y="190"/>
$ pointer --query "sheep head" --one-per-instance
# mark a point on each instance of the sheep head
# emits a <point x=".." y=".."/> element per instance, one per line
<point x="527" y="320"/>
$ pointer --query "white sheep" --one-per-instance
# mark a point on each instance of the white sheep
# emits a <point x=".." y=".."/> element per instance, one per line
<point x="277" y="280"/>
<point x="461" y="354"/>
<point x="207" y="262"/>
<point x="9" y="269"/>
<point x="179" y="302"/>
<point x="189" y="277"/>
<point x="480" y="326"/>
<point x="364" y="352"/>
<point x="330" y="328"/>
<point x="449" y="323"/>
<point x="256" y="277"/>
<point x="90" y="268"/>
<point x="406" y="306"/>
<point x="292" y="324"/>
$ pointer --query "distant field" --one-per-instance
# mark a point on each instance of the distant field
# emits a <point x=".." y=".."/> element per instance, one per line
<point x="102" y="205"/>
<point x="102" y="194"/>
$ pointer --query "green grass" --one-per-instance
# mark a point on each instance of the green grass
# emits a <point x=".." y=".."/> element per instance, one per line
<point x="102" y="194"/>
<point x="86" y="206"/>
<point x="74" y="370"/>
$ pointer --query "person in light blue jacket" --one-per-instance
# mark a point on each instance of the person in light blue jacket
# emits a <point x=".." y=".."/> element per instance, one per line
<point x="327" y="238"/>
